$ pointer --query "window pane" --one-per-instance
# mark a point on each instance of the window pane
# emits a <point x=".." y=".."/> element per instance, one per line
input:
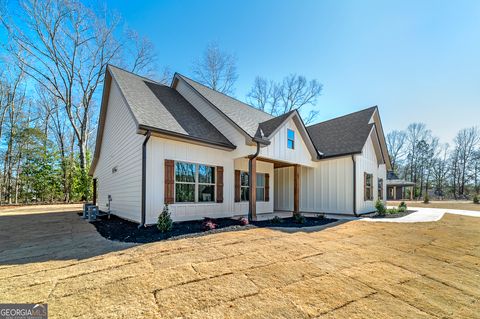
<point x="291" y="134"/>
<point x="184" y="172"/>
<point x="184" y="192"/>
<point x="206" y="174"/>
<point x="290" y="144"/>
<point x="244" y="194"/>
<point x="206" y="193"/>
<point x="244" y="179"/>
<point x="260" y="179"/>
<point x="260" y="193"/>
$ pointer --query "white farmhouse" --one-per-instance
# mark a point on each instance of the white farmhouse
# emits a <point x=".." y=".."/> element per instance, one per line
<point x="201" y="151"/>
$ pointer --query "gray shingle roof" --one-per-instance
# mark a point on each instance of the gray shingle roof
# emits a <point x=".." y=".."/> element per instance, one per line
<point x="245" y="116"/>
<point x="342" y="135"/>
<point x="269" y="126"/>
<point x="161" y="107"/>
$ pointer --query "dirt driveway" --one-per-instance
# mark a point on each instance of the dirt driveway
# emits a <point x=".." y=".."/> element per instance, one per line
<point x="353" y="270"/>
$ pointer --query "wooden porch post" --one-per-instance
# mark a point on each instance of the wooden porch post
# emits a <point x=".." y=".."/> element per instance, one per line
<point x="411" y="192"/>
<point x="252" y="183"/>
<point x="296" y="189"/>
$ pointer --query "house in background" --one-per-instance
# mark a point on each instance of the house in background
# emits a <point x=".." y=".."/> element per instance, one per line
<point x="399" y="189"/>
<point x="209" y="155"/>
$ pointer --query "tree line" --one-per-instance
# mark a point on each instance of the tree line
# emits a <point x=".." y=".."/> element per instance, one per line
<point x="438" y="169"/>
<point x="52" y="69"/>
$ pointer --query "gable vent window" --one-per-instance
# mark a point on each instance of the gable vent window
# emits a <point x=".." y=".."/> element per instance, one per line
<point x="290" y="139"/>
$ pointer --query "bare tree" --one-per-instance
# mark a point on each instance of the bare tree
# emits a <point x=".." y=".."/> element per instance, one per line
<point x="216" y="69"/>
<point x="65" y="46"/>
<point x="143" y="53"/>
<point x="440" y="170"/>
<point x="396" y="147"/>
<point x="466" y="143"/>
<point x="294" y="92"/>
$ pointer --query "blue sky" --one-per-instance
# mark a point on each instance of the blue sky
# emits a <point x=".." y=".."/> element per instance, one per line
<point x="416" y="60"/>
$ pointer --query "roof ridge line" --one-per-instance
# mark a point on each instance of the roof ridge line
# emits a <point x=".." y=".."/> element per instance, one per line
<point x="345" y="115"/>
<point x="233" y="98"/>
<point x="137" y="75"/>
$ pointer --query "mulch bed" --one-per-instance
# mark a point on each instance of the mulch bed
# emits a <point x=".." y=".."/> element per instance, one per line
<point x="122" y="230"/>
<point x="397" y="215"/>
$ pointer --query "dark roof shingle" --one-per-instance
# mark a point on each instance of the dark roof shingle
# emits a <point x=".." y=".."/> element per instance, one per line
<point x="161" y="107"/>
<point x="245" y="116"/>
<point x="342" y="135"/>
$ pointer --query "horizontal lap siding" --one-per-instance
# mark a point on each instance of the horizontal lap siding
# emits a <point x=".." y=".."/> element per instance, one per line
<point x="121" y="148"/>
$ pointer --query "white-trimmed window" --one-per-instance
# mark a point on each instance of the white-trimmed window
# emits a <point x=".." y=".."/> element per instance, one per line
<point x="194" y="183"/>
<point x="290" y="139"/>
<point x="244" y="188"/>
<point x="368" y="186"/>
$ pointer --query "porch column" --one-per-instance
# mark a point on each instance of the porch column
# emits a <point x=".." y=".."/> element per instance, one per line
<point x="394" y="192"/>
<point x="411" y="192"/>
<point x="252" y="187"/>
<point x="296" y="189"/>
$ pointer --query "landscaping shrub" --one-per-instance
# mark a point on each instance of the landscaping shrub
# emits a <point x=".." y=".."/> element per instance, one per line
<point x="476" y="199"/>
<point x="380" y="207"/>
<point x="276" y="220"/>
<point x="391" y="211"/>
<point x="243" y="221"/>
<point x="299" y="218"/>
<point x="426" y="199"/>
<point x="209" y="224"/>
<point x="164" y="223"/>
<point x="320" y="216"/>
<point x="402" y="207"/>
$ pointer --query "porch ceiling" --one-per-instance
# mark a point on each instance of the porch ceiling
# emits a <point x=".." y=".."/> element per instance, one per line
<point x="276" y="164"/>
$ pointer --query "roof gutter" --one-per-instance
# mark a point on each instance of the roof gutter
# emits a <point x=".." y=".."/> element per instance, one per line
<point x="251" y="209"/>
<point x="144" y="177"/>
<point x="354" y="186"/>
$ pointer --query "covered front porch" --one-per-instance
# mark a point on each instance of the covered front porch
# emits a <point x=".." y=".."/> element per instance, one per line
<point x="273" y="195"/>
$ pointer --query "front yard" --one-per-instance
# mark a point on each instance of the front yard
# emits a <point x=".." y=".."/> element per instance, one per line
<point x="352" y="270"/>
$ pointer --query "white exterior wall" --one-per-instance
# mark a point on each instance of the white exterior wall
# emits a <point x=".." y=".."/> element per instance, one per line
<point x="278" y="149"/>
<point x="325" y="188"/>
<point x="367" y="162"/>
<point x="121" y="148"/>
<point x="262" y="167"/>
<point x="159" y="149"/>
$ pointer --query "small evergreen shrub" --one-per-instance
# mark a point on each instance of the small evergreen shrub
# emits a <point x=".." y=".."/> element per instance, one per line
<point x="392" y="211"/>
<point x="426" y="199"/>
<point x="476" y="199"/>
<point x="243" y="221"/>
<point x="380" y="207"/>
<point x="402" y="207"/>
<point x="299" y="218"/>
<point x="164" y="222"/>
<point x="320" y="216"/>
<point x="276" y="220"/>
<point x="209" y="224"/>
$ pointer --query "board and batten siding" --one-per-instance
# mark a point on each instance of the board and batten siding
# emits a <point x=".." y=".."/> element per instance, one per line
<point x="367" y="162"/>
<point x="241" y="208"/>
<point x="160" y="149"/>
<point x="278" y="149"/>
<point x="121" y="149"/>
<point x="325" y="188"/>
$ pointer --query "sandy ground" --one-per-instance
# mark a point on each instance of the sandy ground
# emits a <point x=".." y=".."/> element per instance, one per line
<point x="352" y="270"/>
<point x="466" y="205"/>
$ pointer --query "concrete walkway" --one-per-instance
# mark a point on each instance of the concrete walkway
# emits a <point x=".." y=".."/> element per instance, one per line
<point x="423" y="215"/>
